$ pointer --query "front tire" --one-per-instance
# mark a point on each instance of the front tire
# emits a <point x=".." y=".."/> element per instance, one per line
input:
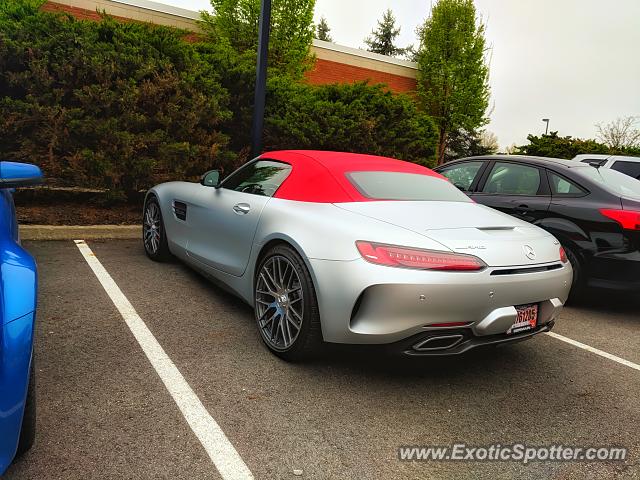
<point x="28" y="430"/>
<point x="154" y="235"/>
<point x="286" y="307"/>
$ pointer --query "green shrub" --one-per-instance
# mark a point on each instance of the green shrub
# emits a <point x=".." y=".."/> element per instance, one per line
<point x="351" y="118"/>
<point x="553" y="146"/>
<point x="106" y="104"/>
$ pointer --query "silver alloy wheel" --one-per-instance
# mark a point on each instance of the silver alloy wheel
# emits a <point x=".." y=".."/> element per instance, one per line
<point x="279" y="302"/>
<point x="152" y="227"/>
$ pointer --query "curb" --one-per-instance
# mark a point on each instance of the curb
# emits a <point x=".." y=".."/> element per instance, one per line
<point x="85" y="232"/>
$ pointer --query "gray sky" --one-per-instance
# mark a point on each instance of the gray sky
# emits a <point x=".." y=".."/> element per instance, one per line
<point x="573" y="61"/>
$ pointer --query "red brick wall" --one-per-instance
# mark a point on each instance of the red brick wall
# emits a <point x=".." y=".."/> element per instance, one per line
<point x="326" y="71"/>
<point x="79" y="13"/>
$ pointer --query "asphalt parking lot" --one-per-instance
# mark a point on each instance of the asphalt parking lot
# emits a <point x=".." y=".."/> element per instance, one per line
<point x="104" y="412"/>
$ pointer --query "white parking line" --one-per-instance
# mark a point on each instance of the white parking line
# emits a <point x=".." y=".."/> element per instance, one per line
<point x="619" y="360"/>
<point x="220" y="450"/>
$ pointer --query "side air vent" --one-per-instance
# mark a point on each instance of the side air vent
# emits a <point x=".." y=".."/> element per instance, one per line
<point x="180" y="209"/>
<point x="517" y="271"/>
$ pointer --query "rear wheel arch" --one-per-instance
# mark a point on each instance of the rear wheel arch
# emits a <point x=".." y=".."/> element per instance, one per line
<point x="282" y="241"/>
<point x="565" y="230"/>
<point x="291" y="244"/>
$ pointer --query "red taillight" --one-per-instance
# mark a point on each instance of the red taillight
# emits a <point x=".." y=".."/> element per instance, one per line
<point x="629" y="219"/>
<point x="563" y="255"/>
<point x="394" y="256"/>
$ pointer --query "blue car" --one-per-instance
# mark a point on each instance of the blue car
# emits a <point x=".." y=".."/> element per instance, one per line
<point x="18" y="289"/>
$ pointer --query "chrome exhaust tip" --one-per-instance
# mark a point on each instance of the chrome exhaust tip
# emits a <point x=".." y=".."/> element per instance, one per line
<point x="439" y="342"/>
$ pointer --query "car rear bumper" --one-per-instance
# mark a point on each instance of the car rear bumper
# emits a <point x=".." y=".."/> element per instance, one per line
<point x="363" y="303"/>
<point x="414" y="346"/>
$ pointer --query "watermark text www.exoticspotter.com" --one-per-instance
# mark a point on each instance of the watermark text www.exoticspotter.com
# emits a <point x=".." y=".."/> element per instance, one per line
<point x="517" y="452"/>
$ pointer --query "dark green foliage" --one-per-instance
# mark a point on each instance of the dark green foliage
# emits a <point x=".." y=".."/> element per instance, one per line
<point x="560" y="147"/>
<point x="123" y="105"/>
<point x="323" y="31"/>
<point x="462" y="143"/>
<point x="383" y="37"/>
<point x="106" y="104"/>
<point x="453" y="74"/>
<point x="352" y="118"/>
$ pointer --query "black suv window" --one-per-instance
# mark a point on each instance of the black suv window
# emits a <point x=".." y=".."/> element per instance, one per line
<point x="513" y="179"/>
<point x="628" y="168"/>
<point x="462" y="175"/>
<point x="263" y="177"/>
<point x="561" y="186"/>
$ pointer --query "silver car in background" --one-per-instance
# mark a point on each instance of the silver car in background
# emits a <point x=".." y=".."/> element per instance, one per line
<point x="357" y="249"/>
<point x="628" y="165"/>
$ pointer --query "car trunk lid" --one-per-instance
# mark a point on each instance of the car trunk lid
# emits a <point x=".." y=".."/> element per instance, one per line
<point x="498" y="239"/>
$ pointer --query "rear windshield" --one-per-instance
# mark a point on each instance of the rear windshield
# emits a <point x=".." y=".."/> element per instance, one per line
<point x="614" y="181"/>
<point x="405" y="186"/>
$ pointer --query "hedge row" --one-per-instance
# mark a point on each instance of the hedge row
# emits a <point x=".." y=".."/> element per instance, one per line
<point x="121" y="105"/>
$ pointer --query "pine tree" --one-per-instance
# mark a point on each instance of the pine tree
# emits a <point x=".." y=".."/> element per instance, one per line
<point x="382" y="38"/>
<point x="322" y="30"/>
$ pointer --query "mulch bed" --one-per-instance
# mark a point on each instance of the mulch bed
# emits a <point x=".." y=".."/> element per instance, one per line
<point x="43" y="206"/>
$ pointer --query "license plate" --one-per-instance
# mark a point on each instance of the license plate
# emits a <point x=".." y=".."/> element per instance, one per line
<point x="526" y="320"/>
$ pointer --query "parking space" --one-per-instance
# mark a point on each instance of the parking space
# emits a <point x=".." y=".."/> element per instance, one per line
<point x="105" y="412"/>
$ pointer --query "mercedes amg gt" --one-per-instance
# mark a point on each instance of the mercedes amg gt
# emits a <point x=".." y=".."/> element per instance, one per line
<point x="359" y="249"/>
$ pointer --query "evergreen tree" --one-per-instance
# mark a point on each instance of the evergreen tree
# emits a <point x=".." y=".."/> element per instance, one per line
<point x="322" y="30"/>
<point x="382" y="38"/>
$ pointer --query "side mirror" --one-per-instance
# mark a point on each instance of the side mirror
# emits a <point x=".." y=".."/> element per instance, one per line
<point x="211" y="179"/>
<point x="14" y="175"/>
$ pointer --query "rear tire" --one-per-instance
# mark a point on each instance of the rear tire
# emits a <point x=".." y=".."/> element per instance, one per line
<point x="286" y="307"/>
<point x="154" y="235"/>
<point x="578" y="285"/>
<point x="28" y="430"/>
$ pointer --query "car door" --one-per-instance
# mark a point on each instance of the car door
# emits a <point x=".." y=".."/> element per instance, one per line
<point x="464" y="175"/>
<point x="516" y="188"/>
<point x="224" y="218"/>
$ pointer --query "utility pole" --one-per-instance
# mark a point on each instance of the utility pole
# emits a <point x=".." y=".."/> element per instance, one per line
<point x="261" y="78"/>
<point x="546" y="120"/>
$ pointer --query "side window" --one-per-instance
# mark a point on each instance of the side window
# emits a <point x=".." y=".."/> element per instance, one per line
<point x="561" y="186"/>
<point x="628" y="168"/>
<point x="462" y="175"/>
<point x="263" y="177"/>
<point x="513" y="179"/>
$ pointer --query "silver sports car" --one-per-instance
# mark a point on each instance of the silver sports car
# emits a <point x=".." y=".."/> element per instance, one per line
<point x="348" y="248"/>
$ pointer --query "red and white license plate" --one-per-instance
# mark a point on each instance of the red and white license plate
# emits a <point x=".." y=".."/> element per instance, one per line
<point x="526" y="320"/>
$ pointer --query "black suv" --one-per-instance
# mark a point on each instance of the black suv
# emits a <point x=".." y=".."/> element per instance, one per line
<point x="593" y="212"/>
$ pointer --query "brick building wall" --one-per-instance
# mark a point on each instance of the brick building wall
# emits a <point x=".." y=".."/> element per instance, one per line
<point x="326" y="71"/>
<point x="334" y="63"/>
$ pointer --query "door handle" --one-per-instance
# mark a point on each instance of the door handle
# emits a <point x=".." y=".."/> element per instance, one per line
<point x="241" y="208"/>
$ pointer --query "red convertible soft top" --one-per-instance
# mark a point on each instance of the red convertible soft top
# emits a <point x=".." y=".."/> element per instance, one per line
<point x="318" y="176"/>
